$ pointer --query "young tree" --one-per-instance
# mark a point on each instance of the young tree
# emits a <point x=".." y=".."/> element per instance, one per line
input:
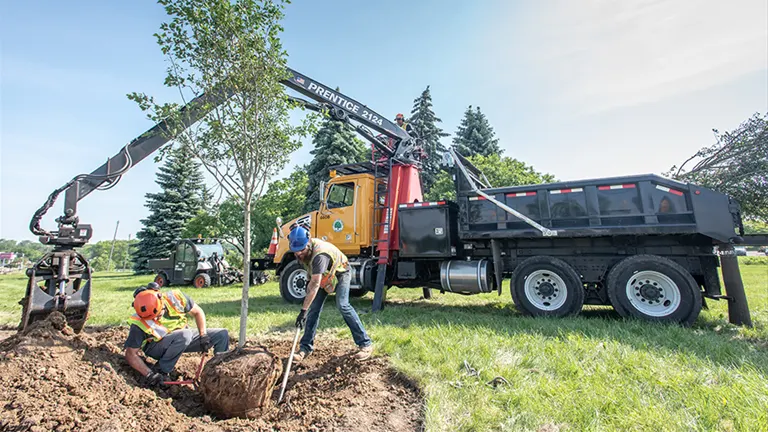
<point x="737" y="165"/>
<point x="230" y="51"/>
<point x="284" y="198"/>
<point x="335" y="143"/>
<point x="180" y="197"/>
<point x="500" y="171"/>
<point x="425" y="122"/>
<point x="475" y="135"/>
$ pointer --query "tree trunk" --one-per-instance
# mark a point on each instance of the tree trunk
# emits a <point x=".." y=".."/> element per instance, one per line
<point x="246" y="270"/>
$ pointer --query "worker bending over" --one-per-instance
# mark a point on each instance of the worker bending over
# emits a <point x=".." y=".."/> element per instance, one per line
<point x="159" y="329"/>
<point x="329" y="269"/>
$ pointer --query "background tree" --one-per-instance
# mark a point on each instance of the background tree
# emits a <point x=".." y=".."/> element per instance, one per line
<point x="98" y="254"/>
<point x="180" y="198"/>
<point x="475" y="135"/>
<point x="737" y="165"/>
<point x="335" y="143"/>
<point x="501" y="171"/>
<point x="284" y="198"/>
<point x="425" y="122"/>
<point x="230" y="51"/>
<point x="30" y="250"/>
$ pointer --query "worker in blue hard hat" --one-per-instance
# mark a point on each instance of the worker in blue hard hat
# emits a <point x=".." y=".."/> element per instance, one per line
<point x="329" y="272"/>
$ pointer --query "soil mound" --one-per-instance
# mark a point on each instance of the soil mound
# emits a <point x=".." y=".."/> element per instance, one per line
<point x="240" y="382"/>
<point x="55" y="380"/>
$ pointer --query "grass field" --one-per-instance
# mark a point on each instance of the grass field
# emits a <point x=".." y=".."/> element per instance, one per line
<point x="593" y="372"/>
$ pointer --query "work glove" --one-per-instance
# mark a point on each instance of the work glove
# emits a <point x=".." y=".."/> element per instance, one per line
<point x="205" y="343"/>
<point x="301" y="320"/>
<point x="155" y="379"/>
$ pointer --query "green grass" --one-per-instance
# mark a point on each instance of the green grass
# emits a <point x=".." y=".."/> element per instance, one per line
<point x="593" y="372"/>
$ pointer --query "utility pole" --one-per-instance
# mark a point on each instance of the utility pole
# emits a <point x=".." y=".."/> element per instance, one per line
<point x="127" y="250"/>
<point x="112" y="249"/>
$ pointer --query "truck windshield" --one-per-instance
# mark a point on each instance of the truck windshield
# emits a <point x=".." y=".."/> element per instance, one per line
<point x="209" y="249"/>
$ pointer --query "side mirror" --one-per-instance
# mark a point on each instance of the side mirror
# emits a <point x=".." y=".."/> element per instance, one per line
<point x="322" y="192"/>
<point x="279" y="224"/>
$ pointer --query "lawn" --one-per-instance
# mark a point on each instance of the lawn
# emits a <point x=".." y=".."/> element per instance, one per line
<point x="593" y="372"/>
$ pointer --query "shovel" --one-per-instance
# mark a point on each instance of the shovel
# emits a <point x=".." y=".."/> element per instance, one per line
<point x="288" y="368"/>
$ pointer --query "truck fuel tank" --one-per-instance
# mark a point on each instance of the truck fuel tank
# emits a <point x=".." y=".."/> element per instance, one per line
<point x="468" y="277"/>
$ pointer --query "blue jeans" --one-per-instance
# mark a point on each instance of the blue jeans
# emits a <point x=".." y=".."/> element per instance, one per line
<point x="346" y="309"/>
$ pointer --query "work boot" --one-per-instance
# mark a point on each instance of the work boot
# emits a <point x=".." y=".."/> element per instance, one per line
<point x="300" y="356"/>
<point x="364" y="353"/>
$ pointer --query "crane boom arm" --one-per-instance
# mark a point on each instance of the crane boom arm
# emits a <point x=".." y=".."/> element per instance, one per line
<point x="108" y="174"/>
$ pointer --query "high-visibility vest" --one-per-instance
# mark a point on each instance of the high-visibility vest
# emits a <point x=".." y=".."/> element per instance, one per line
<point x="339" y="263"/>
<point x="173" y="318"/>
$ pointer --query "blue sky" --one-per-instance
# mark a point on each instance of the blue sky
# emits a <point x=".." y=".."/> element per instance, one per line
<point x="577" y="89"/>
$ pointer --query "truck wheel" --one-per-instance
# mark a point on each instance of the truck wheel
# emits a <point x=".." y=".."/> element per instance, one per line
<point x="546" y="286"/>
<point x="654" y="288"/>
<point x="162" y="280"/>
<point x="202" y="280"/>
<point x="293" y="283"/>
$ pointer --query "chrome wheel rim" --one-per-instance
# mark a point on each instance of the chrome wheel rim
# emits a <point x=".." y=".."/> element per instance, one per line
<point x="652" y="293"/>
<point x="546" y="290"/>
<point x="297" y="283"/>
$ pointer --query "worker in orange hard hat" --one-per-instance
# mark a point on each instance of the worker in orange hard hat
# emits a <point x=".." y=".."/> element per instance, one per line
<point x="400" y="120"/>
<point x="159" y="329"/>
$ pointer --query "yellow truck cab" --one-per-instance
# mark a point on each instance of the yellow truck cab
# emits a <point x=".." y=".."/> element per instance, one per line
<point x="345" y="218"/>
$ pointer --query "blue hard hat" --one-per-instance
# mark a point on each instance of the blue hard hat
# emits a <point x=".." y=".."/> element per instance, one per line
<point x="298" y="238"/>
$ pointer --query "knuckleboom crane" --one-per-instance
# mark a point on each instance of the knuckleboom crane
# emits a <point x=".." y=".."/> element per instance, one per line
<point x="61" y="279"/>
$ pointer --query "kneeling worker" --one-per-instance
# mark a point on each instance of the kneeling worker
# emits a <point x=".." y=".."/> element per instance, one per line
<point x="329" y="269"/>
<point x="159" y="329"/>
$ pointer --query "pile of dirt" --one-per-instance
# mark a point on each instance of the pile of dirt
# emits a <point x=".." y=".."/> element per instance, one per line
<point x="55" y="380"/>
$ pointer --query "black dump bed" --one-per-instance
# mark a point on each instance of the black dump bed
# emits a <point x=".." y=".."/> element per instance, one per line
<point x="634" y="205"/>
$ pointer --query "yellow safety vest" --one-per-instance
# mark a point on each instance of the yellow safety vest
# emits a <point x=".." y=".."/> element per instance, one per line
<point x="339" y="263"/>
<point x="173" y="318"/>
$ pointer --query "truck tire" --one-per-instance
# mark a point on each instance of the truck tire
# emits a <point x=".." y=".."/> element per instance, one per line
<point x="547" y="286"/>
<point x="654" y="288"/>
<point x="162" y="280"/>
<point x="202" y="280"/>
<point x="293" y="283"/>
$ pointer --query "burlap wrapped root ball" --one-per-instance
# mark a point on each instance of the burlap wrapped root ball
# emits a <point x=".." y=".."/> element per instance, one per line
<point x="240" y="383"/>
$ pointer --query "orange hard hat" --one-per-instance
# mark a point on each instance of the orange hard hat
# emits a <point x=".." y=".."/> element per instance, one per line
<point x="399" y="115"/>
<point x="147" y="304"/>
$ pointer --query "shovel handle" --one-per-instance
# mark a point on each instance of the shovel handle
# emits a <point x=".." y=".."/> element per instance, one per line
<point x="288" y="368"/>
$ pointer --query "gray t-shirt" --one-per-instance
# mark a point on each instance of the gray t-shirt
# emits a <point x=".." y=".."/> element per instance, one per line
<point x="136" y="335"/>
<point x="321" y="263"/>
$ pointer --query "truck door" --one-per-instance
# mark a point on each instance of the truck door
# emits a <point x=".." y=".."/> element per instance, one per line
<point x="337" y="220"/>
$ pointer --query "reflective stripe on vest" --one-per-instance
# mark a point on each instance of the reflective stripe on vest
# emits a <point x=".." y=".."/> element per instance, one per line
<point x="173" y="317"/>
<point x="339" y="263"/>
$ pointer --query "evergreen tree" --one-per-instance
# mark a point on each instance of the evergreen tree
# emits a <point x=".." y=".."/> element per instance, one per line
<point x="424" y="122"/>
<point x="180" y="198"/>
<point x="475" y="135"/>
<point x="335" y="144"/>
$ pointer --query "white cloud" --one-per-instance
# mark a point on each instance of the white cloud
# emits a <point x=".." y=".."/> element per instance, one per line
<point x="602" y="54"/>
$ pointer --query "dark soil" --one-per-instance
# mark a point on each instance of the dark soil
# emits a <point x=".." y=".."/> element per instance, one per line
<point x="55" y="380"/>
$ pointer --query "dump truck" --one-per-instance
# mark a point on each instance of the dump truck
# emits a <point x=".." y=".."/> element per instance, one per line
<point x="646" y="245"/>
